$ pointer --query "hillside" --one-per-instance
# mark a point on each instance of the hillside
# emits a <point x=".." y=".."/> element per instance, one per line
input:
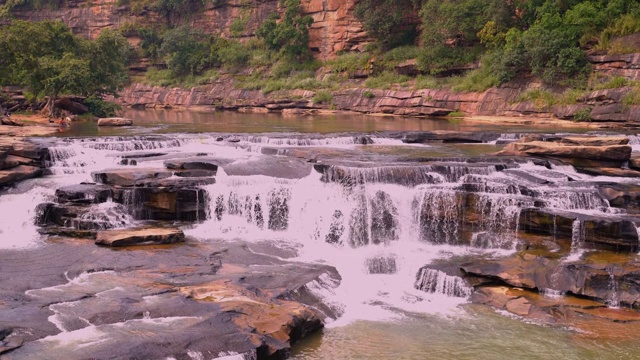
<point x="572" y="60"/>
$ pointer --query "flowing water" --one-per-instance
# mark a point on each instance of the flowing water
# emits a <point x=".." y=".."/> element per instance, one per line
<point x="376" y="219"/>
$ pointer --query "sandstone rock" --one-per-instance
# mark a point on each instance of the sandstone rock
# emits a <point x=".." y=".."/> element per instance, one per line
<point x="625" y="196"/>
<point x="18" y="173"/>
<point x="595" y="141"/>
<point x="72" y="105"/>
<point x="114" y="122"/>
<point x="84" y="193"/>
<point x="11" y="121"/>
<point x="129" y="176"/>
<point x="117" y="238"/>
<point x="609" y="234"/>
<point x="616" y="153"/>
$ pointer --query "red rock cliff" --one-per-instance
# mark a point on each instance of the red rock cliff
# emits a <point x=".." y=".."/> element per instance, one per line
<point x="334" y="28"/>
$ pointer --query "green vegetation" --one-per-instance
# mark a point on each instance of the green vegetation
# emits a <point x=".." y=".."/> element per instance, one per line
<point x="289" y="35"/>
<point x="323" y="97"/>
<point x="582" y="115"/>
<point x="48" y="60"/>
<point x="386" y="80"/>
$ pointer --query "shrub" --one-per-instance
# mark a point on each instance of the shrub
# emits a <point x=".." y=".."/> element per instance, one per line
<point x="323" y="97"/>
<point x="582" y="115"/>
<point x="100" y="107"/>
<point x="289" y="35"/>
<point x="368" y="94"/>
<point x="385" y="80"/>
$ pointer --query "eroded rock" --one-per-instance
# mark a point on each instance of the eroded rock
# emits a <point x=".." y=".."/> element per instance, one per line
<point x="117" y="238"/>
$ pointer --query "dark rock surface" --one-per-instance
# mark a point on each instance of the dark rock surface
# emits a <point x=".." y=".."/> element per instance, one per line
<point x="177" y="296"/>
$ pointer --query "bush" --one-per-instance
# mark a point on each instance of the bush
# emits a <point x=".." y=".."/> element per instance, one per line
<point x="323" y="97"/>
<point x="101" y="108"/>
<point x="186" y="51"/>
<point x="582" y="115"/>
<point x="289" y="35"/>
<point x="368" y="94"/>
<point x="349" y="63"/>
<point x="385" y="80"/>
<point x="386" y="21"/>
<point x="477" y="80"/>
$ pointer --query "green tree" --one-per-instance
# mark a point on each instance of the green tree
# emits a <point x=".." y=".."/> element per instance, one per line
<point x="49" y="60"/>
<point x="289" y="35"/>
<point x="186" y="51"/>
<point x="386" y="21"/>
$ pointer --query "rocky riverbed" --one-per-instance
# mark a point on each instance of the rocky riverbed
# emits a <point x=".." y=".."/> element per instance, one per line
<point x="242" y="244"/>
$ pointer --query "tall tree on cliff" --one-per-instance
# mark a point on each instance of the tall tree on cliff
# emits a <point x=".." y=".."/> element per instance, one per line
<point x="49" y="60"/>
<point x="289" y="34"/>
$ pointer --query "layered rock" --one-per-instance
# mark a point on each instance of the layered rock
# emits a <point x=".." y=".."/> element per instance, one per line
<point x="20" y="160"/>
<point x="147" y="236"/>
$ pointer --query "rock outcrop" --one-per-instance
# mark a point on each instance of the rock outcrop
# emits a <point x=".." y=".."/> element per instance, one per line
<point x="20" y="160"/>
<point x="147" y="236"/>
<point x="115" y="122"/>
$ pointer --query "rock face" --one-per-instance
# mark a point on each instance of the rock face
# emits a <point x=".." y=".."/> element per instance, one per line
<point x="117" y="238"/>
<point x="334" y="28"/>
<point x="115" y="122"/>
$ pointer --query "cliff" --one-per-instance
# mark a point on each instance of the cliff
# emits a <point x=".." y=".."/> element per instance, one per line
<point x="334" y="29"/>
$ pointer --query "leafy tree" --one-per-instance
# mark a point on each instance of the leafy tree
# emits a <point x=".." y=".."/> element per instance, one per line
<point x="186" y="51"/>
<point x="49" y="60"/>
<point x="386" y="21"/>
<point x="290" y="35"/>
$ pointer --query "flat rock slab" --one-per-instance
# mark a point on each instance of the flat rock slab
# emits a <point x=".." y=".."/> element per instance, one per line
<point x="595" y="141"/>
<point x="18" y="173"/>
<point x="546" y="148"/>
<point x="193" y="164"/>
<point x="116" y="238"/>
<point x="115" y="122"/>
<point x="129" y="176"/>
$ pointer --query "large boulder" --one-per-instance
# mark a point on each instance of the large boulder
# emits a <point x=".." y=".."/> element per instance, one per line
<point x="114" y="122"/>
<point x="21" y="172"/>
<point x="116" y="238"/>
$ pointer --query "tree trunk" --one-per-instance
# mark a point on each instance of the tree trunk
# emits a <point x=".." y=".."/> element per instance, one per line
<point x="51" y="106"/>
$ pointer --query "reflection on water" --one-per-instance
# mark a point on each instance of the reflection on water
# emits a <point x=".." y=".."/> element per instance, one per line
<point x="172" y="121"/>
<point x="482" y="334"/>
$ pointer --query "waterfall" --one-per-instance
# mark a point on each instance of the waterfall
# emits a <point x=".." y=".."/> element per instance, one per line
<point x="436" y="281"/>
<point x="613" y="299"/>
<point x="577" y="239"/>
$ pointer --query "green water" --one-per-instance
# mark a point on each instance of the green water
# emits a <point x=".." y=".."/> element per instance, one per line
<point x="478" y="333"/>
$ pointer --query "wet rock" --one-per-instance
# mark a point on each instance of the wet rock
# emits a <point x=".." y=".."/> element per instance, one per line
<point x="449" y="137"/>
<point x="193" y="164"/>
<point x="19" y="173"/>
<point x="129" y="177"/>
<point x="384" y="219"/>
<point x="195" y="173"/>
<point x="114" y="122"/>
<point x="117" y="238"/>
<point x="607" y="171"/>
<point x="602" y="233"/>
<point x="175" y="202"/>
<point x="624" y="196"/>
<point x="279" y="167"/>
<point x="84" y="193"/>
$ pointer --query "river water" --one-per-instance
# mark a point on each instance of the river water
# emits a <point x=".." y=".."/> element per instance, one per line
<point x="363" y="223"/>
